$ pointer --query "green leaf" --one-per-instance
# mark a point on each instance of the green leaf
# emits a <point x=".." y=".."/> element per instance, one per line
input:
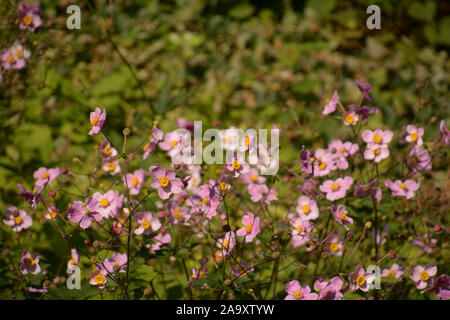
<point x="289" y="54"/>
<point x="146" y="273"/>
<point x="422" y="11"/>
<point x="322" y="7"/>
<point x="242" y="11"/>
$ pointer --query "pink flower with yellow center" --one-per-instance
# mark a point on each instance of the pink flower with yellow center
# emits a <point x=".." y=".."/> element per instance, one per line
<point x="360" y="279"/>
<point x="331" y="104"/>
<point x="227" y="243"/>
<point x="99" y="277"/>
<point x="336" y="189"/>
<point x="295" y="291"/>
<point x="17" y="219"/>
<point x="44" y="175"/>
<point x="402" y="188"/>
<point x="237" y="167"/>
<point x="165" y="181"/>
<point x="156" y="136"/>
<point x="29" y="263"/>
<point x="97" y="119"/>
<point x="51" y="213"/>
<point x="147" y="223"/>
<point x="323" y="162"/>
<point x="112" y="166"/>
<point x="109" y="203"/>
<point x="307" y="208"/>
<point x="444" y="133"/>
<point x="252" y="177"/>
<point x="350" y="118"/>
<point x="106" y="150"/>
<point x="251" y="227"/>
<point x="340" y="214"/>
<point x="378" y="137"/>
<point x="74" y="260"/>
<point x="376" y="153"/>
<point x="84" y="213"/>
<point x="412" y="134"/>
<point x="260" y="192"/>
<point x="29" y="17"/>
<point x="135" y="181"/>
<point x="333" y="245"/>
<point x="394" y="271"/>
<point x="423" y="276"/>
<point x="301" y="231"/>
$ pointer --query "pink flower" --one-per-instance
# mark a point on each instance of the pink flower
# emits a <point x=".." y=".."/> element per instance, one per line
<point x="237" y="168"/>
<point x="156" y="136"/>
<point x="44" y="175"/>
<point x="350" y="118"/>
<point x="333" y="245"/>
<point x="252" y="177"/>
<point x="52" y="213"/>
<point x="29" y="17"/>
<point x="99" y="277"/>
<point x="241" y="270"/>
<point x="109" y="204"/>
<point x="17" y="219"/>
<point x="116" y="263"/>
<point x="251" y="227"/>
<point x="165" y="182"/>
<point x="29" y="263"/>
<point x="97" y="119"/>
<point x="340" y="214"/>
<point x="419" y="159"/>
<point x="367" y="190"/>
<point x="376" y="153"/>
<point x="323" y="163"/>
<point x="330" y="105"/>
<point x="307" y="208"/>
<point x="302" y="228"/>
<point x="297" y="292"/>
<point x="378" y="137"/>
<point x="332" y="291"/>
<point x="147" y="223"/>
<point x="175" y="143"/>
<point x="207" y="199"/>
<point x="227" y="243"/>
<point x="394" y="271"/>
<point x="112" y="166"/>
<point x="14" y="57"/>
<point x="75" y="260"/>
<point x="107" y="150"/>
<point x="337" y="189"/>
<point x="441" y="286"/>
<point x="341" y="151"/>
<point x="84" y="212"/>
<point x="412" y="134"/>
<point x="359" y="279"/>
<point x="260" y="192"/>
<point x="422" y="276"/>
<point x="445" y="133"/>
<point x="135" y="181"/>
<point x="402" y="189"/>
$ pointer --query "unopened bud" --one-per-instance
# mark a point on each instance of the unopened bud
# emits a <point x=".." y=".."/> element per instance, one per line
<point x="126" y="131"/>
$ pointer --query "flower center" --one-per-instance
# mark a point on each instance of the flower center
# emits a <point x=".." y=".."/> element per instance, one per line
<point x="248" y="227"/>
<point x="52" y="214"/>
<point x="424" y="276"/>
<point x="18" y="220"/>
<point x="147" y="146"/>
<point x="341" y="150"/>
<point x="349" y="118"/>
<point x="173" y="143"/>
<point x="335" y="186"/>
<point x="225" y="243"/>
<point x="146" y="224"/>
<point x="391" y="273"/>
<point x="376" y="151"/>
<point x="298" y="294"/>
<point x="163" y="181"/>
<point x="11" y="59"/>
<point x="236" y="165"/>
<point x="360" y="280"/>
<point x="253" y="177"/>
<point x="334" y="247"/>
<point x="29" y="261"/>
<point x="104" y="202"/>
<point x="72" y="262"/>
<point x="94" y="121"/>
<point x="111" y="166"/>
<point x="322" y="165"/>
<point x="306" y="209"/>
<point x="45" y="175"/>
<point x="134" y="181"/>
<point x="19" y="52"/>
<point x="403" y="186"/>
<point x="247" y="141"/>
<point x="299" y="228"/>
<point x="100" y="279"/>
<point x="27" y="20"/>
<point x="376" y="138"/>
<point x="177" y="213"/>
<point x="343" y="216"/>
<point x="107" y="150"/>
<point x="223" y="186"/>
<point x="414" y="137"/>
